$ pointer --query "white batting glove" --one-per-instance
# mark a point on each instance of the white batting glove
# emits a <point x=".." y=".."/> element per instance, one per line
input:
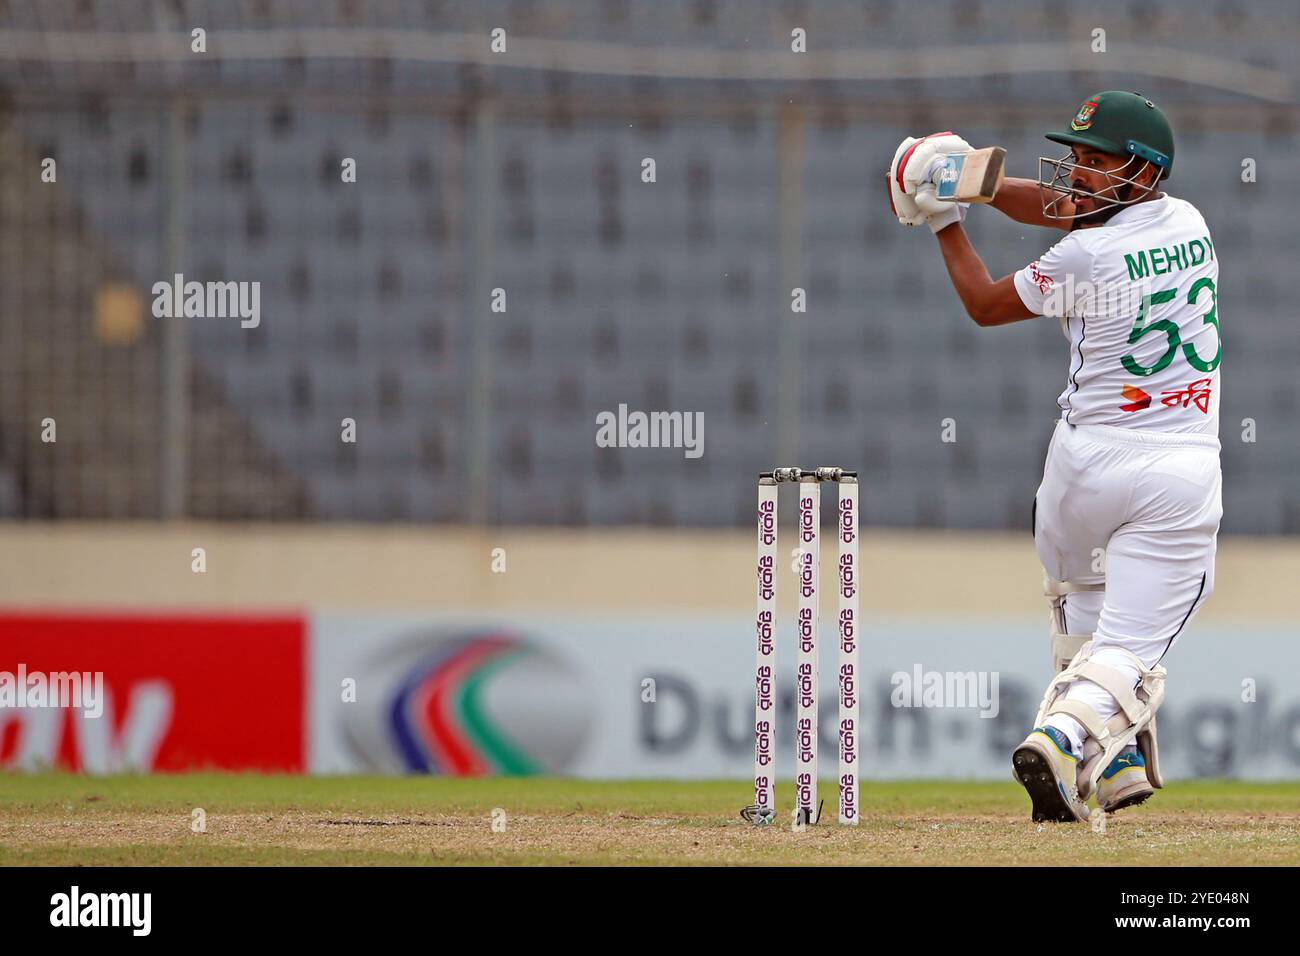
<point x="903" y="205"/>
<point x="925" y="161"/>
<point x="938" y="213"/>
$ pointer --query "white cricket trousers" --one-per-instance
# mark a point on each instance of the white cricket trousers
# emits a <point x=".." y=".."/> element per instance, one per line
<point x="1137" y="512"/>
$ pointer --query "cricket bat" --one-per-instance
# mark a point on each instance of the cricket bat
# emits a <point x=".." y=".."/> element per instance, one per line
<point x="971" y="177"/>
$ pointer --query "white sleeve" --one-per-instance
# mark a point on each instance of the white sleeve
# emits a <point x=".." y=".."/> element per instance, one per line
<point x="1063" y="270"/>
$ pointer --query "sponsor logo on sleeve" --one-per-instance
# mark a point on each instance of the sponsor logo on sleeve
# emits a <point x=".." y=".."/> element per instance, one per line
<point x="1043" y="282"/>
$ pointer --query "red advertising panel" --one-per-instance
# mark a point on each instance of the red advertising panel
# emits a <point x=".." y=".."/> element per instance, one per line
<point x="177" y="692"/>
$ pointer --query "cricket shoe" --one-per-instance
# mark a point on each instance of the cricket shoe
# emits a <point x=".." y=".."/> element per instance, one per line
<point x="1048" y="770"/>
<point x="1124" y="783"/>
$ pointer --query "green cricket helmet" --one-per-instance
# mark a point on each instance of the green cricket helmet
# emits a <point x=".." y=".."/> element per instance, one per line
<point x="1119" y="123"/>
<point x="1123" y="124"/>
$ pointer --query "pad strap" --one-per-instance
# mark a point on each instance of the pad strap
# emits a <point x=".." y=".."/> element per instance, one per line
<point x="1055" y="588"/>
<point x="1085" y="715"/>
<point x="1113" y="683"/>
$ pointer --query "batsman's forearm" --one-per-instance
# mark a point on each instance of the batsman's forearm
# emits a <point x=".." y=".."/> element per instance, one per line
<point x="1021" y="200"/>
<point x="970" y="277"/>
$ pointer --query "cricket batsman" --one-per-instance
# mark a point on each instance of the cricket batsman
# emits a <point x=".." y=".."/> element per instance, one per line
<point x="1126" y="516"/>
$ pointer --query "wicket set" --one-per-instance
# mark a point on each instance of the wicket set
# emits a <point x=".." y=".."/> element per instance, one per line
<point x="806" y="671"/>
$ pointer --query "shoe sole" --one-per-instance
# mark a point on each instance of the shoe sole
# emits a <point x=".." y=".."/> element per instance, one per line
<point x="1049" y="804"/>
<point x="1132" y="800"/>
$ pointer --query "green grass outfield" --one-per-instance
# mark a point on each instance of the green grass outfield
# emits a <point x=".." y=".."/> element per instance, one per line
<point x="65" y="819"/>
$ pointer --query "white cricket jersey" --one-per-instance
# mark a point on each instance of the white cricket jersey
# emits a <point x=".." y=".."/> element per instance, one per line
<point x="1137" y="299"/>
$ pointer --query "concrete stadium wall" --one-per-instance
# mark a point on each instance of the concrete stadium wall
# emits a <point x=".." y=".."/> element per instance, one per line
<point x="375" y="567"/>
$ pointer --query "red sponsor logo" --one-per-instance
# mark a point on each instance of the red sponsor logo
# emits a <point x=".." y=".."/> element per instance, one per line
<point x="181" y="692"/>
<point x="1137" y="399"/>
<point x="1043" y="282"/>
<point x="1196" y="393"/>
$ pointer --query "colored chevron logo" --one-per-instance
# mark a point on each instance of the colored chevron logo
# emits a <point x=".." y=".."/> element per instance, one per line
<point x="437" y="717"/>
<point x="1138" y="399"/>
